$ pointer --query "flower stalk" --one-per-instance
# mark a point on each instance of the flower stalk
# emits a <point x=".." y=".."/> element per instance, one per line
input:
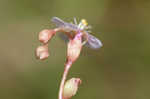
<point x="78" y="36"/>
<point x="66" y="71"/>
<point x="73" y="52"/>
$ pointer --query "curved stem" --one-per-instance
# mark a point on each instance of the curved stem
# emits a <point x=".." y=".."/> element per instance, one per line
<point x="66" y="70"/>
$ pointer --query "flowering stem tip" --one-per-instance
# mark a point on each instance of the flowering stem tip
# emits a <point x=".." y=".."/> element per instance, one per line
<point x="78" y="35"/>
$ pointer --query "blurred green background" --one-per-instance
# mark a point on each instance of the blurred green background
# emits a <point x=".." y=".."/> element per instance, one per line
<point x="119" y="70"/>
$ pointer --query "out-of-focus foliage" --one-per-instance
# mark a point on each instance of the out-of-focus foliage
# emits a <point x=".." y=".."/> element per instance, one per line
<point x="119" y="70"/>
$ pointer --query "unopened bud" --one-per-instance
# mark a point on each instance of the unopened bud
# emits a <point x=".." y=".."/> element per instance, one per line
<point x="71" y="87"/>
<point x="74" y="49"/>
<point x="45" y="35"/>
<point x="42" y="52"/>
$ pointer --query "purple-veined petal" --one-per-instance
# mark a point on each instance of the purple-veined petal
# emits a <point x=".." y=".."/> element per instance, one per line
<point x="93" y="42"/>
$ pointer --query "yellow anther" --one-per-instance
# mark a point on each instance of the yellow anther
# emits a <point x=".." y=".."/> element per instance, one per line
<point x="84" y="22"/>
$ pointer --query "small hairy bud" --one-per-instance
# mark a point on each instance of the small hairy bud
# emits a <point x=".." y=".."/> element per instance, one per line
<point x="45" y="35"/>
<point x="42" y="52"/>
<point x="74" y="49"/>
<point x="71" y="87"/>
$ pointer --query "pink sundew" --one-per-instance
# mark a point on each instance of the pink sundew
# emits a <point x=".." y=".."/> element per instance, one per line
<point x="74" y="47"/>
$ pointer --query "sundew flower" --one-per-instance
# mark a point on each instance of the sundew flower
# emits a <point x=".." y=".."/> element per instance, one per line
<point x="71" y="30"/>
<point x="74" y="31"/>
<point x="77" y="35"/>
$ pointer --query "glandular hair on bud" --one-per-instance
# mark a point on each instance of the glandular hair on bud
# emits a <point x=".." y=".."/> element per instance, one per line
<point x="45" y="35"/>
<point x="71" y="87"/>
<point x="42" y="52"/>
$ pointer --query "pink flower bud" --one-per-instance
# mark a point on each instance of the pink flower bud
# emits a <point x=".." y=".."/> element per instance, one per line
<point x="74" y="49"/>
<point x="42" y="52"/>
<point x="45" y="35"/>
<point x="71" y="87"/>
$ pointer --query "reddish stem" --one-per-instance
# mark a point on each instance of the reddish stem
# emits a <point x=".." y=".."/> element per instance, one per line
<point x="66" y="70"/>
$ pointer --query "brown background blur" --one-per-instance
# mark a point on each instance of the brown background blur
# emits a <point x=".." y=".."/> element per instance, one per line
<point x="119" y="70"/>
